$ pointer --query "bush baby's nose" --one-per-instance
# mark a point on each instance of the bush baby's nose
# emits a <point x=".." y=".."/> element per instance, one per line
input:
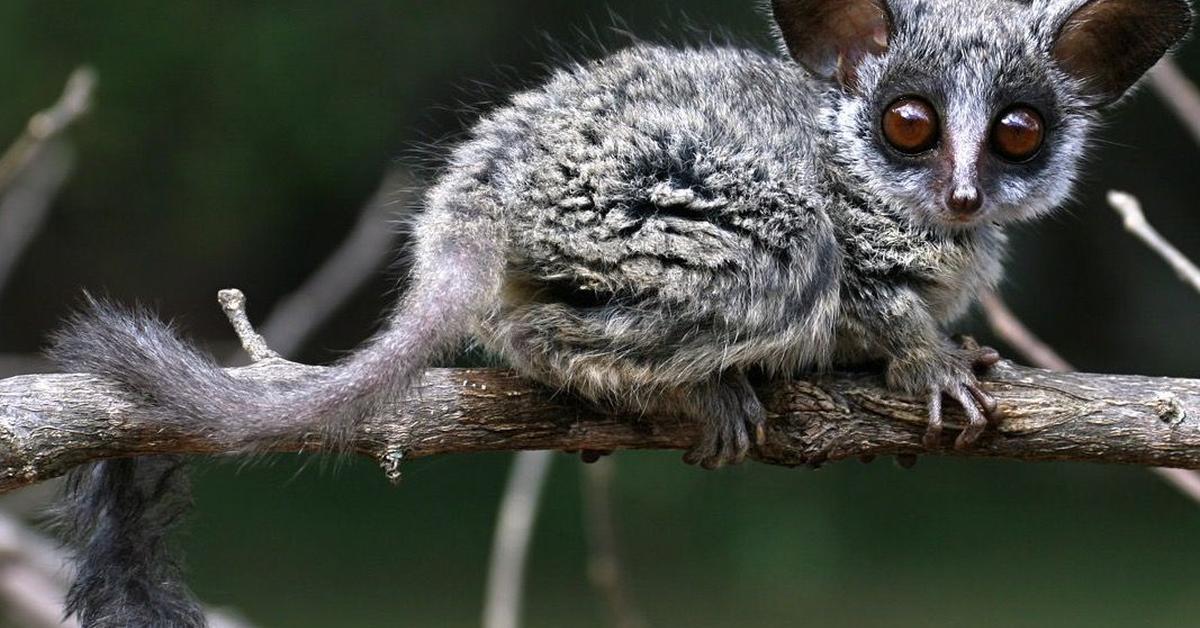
<point x="964" y="199"/>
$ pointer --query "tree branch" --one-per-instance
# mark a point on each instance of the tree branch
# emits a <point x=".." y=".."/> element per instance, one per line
<point x="50" y="423"/>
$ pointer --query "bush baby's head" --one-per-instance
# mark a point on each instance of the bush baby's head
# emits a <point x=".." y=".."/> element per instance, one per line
<point x="969" y="112"/>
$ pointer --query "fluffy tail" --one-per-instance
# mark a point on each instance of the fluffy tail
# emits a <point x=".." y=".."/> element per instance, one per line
<point x="119" y="511"/>
<point x="455" y="278"/>
<point x="118" y="514"/>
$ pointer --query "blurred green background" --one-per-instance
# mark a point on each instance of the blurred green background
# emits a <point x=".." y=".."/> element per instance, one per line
<point x="232" y="145"/>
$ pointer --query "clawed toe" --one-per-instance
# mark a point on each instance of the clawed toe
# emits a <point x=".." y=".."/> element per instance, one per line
<point x="713" y="451"/>
<point x="976" y="422"/>
<point x="979" y="406"/>
<point x="987" y="403"/>
<point x="755" y="420"/>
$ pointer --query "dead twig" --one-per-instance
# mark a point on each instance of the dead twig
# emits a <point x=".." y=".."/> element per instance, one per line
<point x="233" y="302"/>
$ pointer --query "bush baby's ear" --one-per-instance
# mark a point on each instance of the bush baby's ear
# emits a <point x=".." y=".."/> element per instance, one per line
<point x="831" y="37"/>
<point x="1109" y="44"/>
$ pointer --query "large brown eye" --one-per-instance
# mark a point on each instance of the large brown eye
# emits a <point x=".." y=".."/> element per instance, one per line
<point x="910" y="125"/>
<point x="1018" y="134"/>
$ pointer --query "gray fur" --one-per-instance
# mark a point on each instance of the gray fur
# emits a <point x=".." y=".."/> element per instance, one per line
<point x="118" y="515"/>
<point x="646" y="229"/>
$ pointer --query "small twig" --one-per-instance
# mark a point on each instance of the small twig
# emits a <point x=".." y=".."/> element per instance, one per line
<point x="510" y="547"/>
<point x="75" y="101"/>
<point x="1135" y="222"/>
<point x="604" y="568"/>
<point x="1179" y="93"/>
<point x="1183" y="98"/>
<point x="234" y="304"/>
<point x="365" y="249"/>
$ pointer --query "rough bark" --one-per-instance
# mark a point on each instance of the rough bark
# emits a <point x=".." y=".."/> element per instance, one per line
<point x="50" y="423"/>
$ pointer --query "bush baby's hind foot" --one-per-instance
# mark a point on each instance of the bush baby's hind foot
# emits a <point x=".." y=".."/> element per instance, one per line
<point x="731" y="418"/>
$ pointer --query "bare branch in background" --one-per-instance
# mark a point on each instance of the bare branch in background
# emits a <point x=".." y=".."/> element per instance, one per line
<point x="34" y="575"/>
<point x="604" y="555"/>
<point x="44" y="126"/>
<point x="32" y="171"/>
<point x="1008" y="327"/>
<point x="510" y="548"/>
<point x="364" y="250"/>
<point x="1135" y="221"/>
<point x="1179" y="93"/>
<point x="26" y="204"/>
<point x="1130" y="209"/>
<point x="31" y="599"/>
